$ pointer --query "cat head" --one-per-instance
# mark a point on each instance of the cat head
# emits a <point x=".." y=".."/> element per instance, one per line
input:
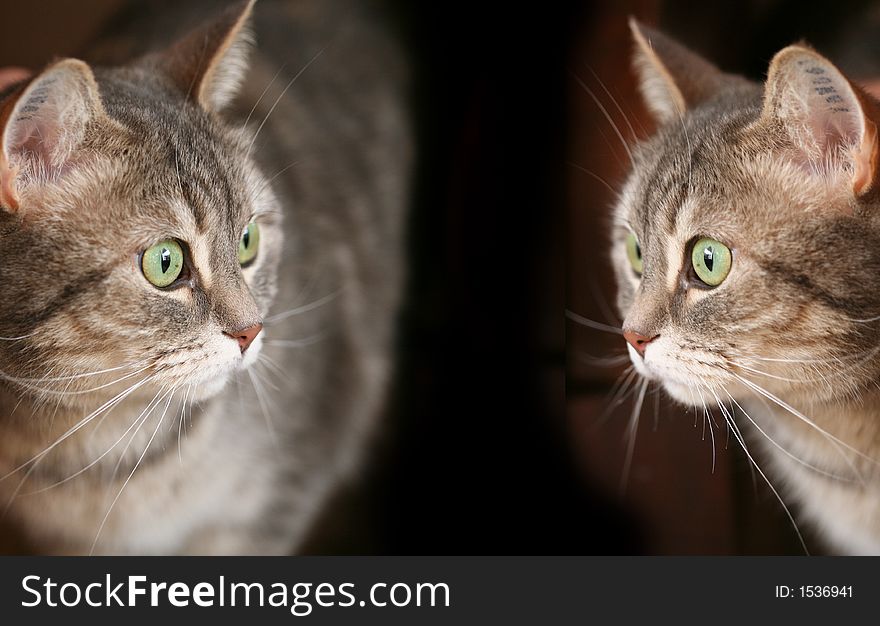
<point x="747" y="236"/>
<point x="138" y="240"/>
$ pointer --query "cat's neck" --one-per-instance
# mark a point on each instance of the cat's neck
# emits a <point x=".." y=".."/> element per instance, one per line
<point x="836" y="434"/>
<point x="58" y="439"/>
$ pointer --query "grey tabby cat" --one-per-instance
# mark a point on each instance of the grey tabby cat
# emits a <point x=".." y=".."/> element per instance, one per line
<point x="147" y="273"/>
<point x="747" y="252"/>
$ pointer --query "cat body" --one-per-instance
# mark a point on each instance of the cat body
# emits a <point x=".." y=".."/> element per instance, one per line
<point x="747" y="246"/>
<point x="139" y="419"/>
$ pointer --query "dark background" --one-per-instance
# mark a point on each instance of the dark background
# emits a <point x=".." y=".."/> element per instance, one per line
<point x="493" y="443"/>
<point x="478" y="458"/>
<point x="482" y="461"/>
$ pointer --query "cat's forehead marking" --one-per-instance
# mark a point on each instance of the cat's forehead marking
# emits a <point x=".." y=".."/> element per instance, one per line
<point x="202" y="162"/>
<point x="697" y="157"/>
<point x="676" y="242"/>
<point x="185" y="221"/>
<point x="201" y="250"/>
<point x="662" y="191"/>
<point x="205" y="180"/>
<point x="664" y="183"/>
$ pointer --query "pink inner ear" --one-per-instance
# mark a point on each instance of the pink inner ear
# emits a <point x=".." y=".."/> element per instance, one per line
<point x="833" y="131"/>
<point x="43" y="124"/>
<point x="832" y="112"/>
<point x="822" y="114"/>
<point x="33" y="138"/>
<point x="46" y="124"/>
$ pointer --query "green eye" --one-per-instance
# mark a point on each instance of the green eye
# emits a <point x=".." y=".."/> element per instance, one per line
<point x="634" y="253"/>
<point x="162" y="263"/>
<point x="249" y="243"/>
<point x="711" y="260"/>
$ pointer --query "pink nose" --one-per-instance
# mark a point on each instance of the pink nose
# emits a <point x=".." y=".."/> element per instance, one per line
<point x="638" y="341"/>
<point x="246" y="336"/>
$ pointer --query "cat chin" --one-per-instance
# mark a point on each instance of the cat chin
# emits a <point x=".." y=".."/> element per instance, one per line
<point x="679" y="392"/>
<point x="210" y="381"/>
<point x="682" y="391"/>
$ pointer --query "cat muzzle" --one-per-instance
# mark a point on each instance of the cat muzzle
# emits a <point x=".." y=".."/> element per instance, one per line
<point x="245" y="336"/>
<point x="638" y="341"/>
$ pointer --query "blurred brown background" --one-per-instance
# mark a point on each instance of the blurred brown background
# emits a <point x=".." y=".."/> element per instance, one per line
<point x="33" y="33"/>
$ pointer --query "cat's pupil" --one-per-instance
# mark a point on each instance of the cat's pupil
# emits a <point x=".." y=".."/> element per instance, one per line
<point x="166" y="259"/>
<point x="709" y="257"/>
<point x="638" y="251"/>
<point x="246" y="238"/>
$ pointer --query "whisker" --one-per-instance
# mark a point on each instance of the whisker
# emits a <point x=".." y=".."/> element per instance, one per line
<point x="836" y="359"/>
<point x="656" y="394"/>
<point x="625" y="374"/>
<point x="100" y="421"/>
<point x="303" y="308"/>
<point x="109" y="404"/>
<point x="273" y="366"/>
<point x="614" y="192"/>
<point x="632" y="431"/>
<point x="281" y="95"/>
<point x="35" y="461"/>
<point x="180" y="423"/>
<point x="19" y="338"/>
<point x="708" y="418"/>
<point x="265" y="410"/>
<point x="71" y="377"/>
<point x="773" y="376"/>
<point x="136" y="465"/>
<point x="602" y="302"/>
<point x="614" y="102"/>
<point x="864" y="321"/>
<point x="738" y="436"/>
<point x="265" y="367"/>
<point x="805" y="419"/>
<point x="583" y="321"/>
<point x="142" y="417"/>
<point x="263" y="94"/>
<point x="296" y="343"/>
<point x="781" y="448"/>
<point x="690" y="150"/>
<point x="596" y="361"/>
<point x="605" y="114"/>
<point x="825" y="378"/>
<point x="619" y="392"/>
<point x="272" y="178"/>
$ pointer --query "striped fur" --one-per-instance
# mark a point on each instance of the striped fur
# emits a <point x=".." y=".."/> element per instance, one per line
<point x="207" y="451"/>
<point x="790" y="341"/>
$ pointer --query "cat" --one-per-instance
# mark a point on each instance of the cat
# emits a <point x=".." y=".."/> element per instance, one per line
<point x="746" y="247"/>
<point x="201" y="251"/>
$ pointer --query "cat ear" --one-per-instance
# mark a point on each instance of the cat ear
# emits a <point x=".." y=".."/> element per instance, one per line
<point x="673" y="79"/>
<point x="209" y="64"/>
<point x="830" y="121"/>
<point x="43" y="124"/>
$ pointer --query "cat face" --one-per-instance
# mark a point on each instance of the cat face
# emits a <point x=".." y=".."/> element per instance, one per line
<point x="744" y="241"/>
<point x="139" y="241"/>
